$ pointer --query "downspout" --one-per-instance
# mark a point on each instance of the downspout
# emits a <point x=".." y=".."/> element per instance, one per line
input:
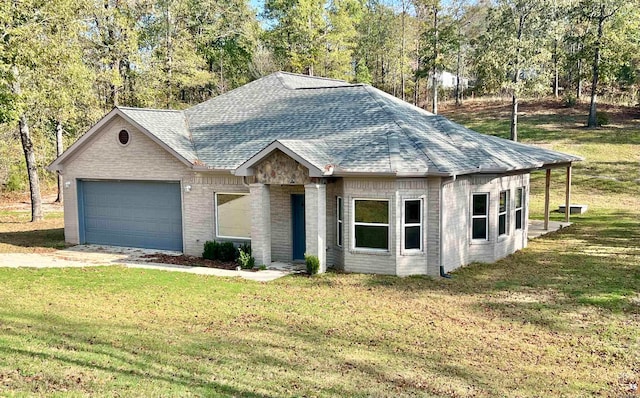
<point x="443" y="274"/>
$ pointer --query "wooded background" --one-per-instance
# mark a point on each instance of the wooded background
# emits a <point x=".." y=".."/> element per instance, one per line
<point x="65" y="63"/>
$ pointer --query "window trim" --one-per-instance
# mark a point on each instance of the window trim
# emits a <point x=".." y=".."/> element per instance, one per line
<point x="128" y="137"/>
<point x="215" y="208"/>
<point x="522" y="191"/>
<point x="485" y="216"/>
<point x="354" y="223"/>
<point x="339" y="220"/>
<point x="405" y="225"/>
<point x="504" y="213"/>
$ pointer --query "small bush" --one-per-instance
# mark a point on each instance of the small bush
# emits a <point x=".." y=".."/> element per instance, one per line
<point x="602" y="119"/>
<point x="569" y="101"/>
<point x="245" y="247"/>
<point x="245" y="260"/>
<point x="225" y="251"/>
<point x="312" y="263"/>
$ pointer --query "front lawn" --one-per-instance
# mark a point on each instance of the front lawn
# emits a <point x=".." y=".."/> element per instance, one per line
<point x="560" y="318"/>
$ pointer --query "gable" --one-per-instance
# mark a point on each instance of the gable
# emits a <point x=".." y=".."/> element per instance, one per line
<point x="280" y="169"/>
<point x="102" y="155"/>
<point x="118" y="116"/>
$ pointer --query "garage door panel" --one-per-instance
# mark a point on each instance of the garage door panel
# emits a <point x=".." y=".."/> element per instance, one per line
<point x="132" y="213"/>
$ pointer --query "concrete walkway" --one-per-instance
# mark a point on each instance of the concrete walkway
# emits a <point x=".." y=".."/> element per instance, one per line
<point x="99" y="255"/>
<point x="536" y="227"/>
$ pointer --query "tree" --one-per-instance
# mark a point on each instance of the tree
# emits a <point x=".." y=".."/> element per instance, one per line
<point x="440" y="42"/>
<point x="597" y="12"/>
<point x="511" y="53"/>
<point x="297" y="34"/>
<point x="342" y="38"/>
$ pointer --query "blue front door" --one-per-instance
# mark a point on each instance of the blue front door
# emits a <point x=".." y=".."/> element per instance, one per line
<point x="297" y="222"/>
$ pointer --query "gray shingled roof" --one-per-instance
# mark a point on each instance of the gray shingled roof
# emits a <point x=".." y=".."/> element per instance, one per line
<point x="356" y="128"/>
<point x="168" y="126"/>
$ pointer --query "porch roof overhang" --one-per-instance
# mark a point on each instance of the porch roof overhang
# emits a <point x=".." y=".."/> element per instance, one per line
<point x="247" y="168"/>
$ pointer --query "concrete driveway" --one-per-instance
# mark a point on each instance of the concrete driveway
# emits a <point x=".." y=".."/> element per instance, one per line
<point x="99" y="255"/>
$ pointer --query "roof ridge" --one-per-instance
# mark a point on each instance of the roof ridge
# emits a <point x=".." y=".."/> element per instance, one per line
<point x="402" y="129"/>
<point x="149" y="109"/>
<point x="310" y="76"/>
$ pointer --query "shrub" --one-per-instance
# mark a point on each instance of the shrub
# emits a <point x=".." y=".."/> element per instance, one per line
<point x="569" y="101"/>
<point x="245" y="260"/>
<point x="228" y="252"/>
<point x="225" y="251"/>
<point x="211" y="250"/>
<point x="602" y="119"/>
<point x="245" y="247"/>
<point x="313" y="264"/>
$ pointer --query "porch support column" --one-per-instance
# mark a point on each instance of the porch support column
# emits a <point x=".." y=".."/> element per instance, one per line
<point x="260" y="223"/>
<point x="315" y="217"/>
<point x="567" y="206"/>
<point x="547" y="185"/>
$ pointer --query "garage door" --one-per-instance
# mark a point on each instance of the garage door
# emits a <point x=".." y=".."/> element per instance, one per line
<point x="131" y="213"/>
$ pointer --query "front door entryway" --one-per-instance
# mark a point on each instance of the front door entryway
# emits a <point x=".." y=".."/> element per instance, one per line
<point x="298" y="237"/>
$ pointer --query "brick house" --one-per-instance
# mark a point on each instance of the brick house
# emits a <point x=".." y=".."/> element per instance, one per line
<point x="296" y="164"/>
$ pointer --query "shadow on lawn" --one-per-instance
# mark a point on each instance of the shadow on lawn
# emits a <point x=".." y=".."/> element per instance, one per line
<point x="93" y="347"/>
<point x="592" y="264"/>
<point x="45" y="238"/>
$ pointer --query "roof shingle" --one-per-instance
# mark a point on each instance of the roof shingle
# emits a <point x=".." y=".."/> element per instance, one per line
<point x="356" y="128"/>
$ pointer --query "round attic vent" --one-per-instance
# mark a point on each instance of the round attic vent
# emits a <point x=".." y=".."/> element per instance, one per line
<point x="123" y="137"/>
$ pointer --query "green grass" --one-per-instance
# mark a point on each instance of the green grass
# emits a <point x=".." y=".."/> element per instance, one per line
<point x="559" y="318"/>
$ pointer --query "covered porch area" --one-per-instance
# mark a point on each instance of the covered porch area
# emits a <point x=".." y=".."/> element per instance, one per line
<point x="542" y="227"/>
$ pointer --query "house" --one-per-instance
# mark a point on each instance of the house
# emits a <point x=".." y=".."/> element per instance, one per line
<point x="448" y="80"/>
<point x="296" y="164"/>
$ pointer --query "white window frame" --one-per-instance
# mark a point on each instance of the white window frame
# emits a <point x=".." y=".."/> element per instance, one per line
<point x="354" y="223"/>
<point x="339" y="221"/>
<point x="485" y="216"/>
<point x="405" y="225"/>
<point x="504" y="213"/>
<point x="215" y="204"/>
<point x="522" y="191"/>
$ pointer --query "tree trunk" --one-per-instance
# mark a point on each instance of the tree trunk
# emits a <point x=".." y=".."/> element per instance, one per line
<point x="556" y="89"/>
<point x="516" y="79"/>
<point x="514" y="117"/>
<point x="592" y="121"/>
<point x="169" y="55"/>
<point x="29" y="155"/>
<point x="458" y="76"/>
<point x="59" y="150"/>
<point x="32" y="171"/>
<point x="434" y="86"/>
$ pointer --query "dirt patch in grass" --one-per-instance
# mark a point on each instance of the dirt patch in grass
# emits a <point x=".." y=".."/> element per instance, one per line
<point x="22" y="202"/>
<point x="191" y="261"/>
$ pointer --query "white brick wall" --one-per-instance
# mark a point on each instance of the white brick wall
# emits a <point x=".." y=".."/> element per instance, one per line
<point x="260" y="224"/>
<point x="458" y="247"/>
<point x="315" y="222"/>
<point x="104" y="158"/>
<point x="142" y="159"/>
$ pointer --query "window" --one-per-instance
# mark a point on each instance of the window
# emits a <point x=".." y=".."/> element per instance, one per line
<point x="371" y="224"/>
<point x="479" y="216"/>
<point x="339" y="218"/>
<point x="123" y="137"/>
<point x="519" y="207"/>
<point x="502" y="213"/>
<point x="412" y="224"/>
<point x="233" y="215"/>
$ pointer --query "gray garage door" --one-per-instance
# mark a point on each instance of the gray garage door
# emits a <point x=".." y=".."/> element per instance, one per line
<point x="131" y="213"/>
